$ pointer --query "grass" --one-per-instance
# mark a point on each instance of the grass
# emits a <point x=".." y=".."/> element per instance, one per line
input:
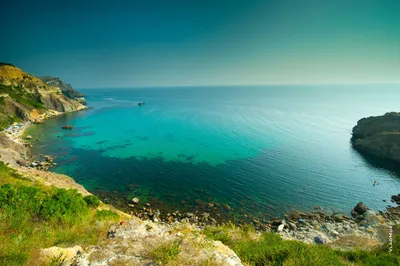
<point x="35" y="216"/>
<point x="271" y="249"/>
<point x="165" y="252"/>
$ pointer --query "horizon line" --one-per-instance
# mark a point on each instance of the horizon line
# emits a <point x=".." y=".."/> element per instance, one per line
<point x="239" y="85"/>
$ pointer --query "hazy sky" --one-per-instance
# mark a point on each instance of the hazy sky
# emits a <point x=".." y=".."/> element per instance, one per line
<point x="201" y="42"/>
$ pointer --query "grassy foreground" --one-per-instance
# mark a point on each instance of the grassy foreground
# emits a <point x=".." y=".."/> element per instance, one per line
<point x="271" y="249"/>
<point x="34" y="216"/>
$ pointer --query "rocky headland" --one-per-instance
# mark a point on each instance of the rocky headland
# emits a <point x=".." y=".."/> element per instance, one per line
<point x="24" y="97"/>
<point x="65" y="88"/>
<point x="378" y="136"/>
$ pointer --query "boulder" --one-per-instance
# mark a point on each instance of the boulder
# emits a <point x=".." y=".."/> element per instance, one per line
<point x="338" y="218"/>
<point x="135" y="200"/>
<point x="292" y="226"/>
<point x="319" y="240"/>
<point x="29" y="137"/>
<point x="396" y="198"/>
<point x="354" y="214"/>
<point x="360" y="208"/>
<point x="21" y="163"/>
<point x="64" y="256"/>
<point x="280" y="228"/>
<point x="276" y="222"/>
<point x="363" y="223"/>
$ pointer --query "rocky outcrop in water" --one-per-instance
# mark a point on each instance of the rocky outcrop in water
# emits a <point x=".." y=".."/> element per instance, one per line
<point x="378" y="136"/>
<point x="24" y="97"/>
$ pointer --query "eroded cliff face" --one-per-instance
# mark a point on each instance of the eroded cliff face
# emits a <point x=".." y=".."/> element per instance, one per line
<point x="66" y="88"/>
<point x="27" y="98"/>
<point x="379" y="136"/>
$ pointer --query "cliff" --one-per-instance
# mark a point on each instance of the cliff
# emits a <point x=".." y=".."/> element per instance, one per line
<point x="378" y="136"/>
<point x="24" y="97"/>
<point x="65" y="88"/>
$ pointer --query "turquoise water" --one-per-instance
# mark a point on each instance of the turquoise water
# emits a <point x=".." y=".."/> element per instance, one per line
<point x="261" y="150"/>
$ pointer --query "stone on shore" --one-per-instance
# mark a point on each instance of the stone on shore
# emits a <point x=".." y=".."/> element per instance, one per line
<point x="319" y="240"/>
<point x="360" y="208"/>
<point x="67" y="256"/>
<point x="396" y="199"/>
<point x="135" y="200"/>
<point x="280" y="228"/>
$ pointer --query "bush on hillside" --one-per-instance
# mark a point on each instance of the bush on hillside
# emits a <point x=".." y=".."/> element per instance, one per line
<point x="92" y="201"/>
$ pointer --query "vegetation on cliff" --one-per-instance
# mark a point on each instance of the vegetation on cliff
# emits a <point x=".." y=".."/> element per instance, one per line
<point x="33" y="216"/>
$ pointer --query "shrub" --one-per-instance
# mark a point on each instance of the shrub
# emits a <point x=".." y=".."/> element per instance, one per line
<point x="65" y="205"/>
<point x="21" y="200"/>
<point x="92" y="201"/>
<point x="36" y="217"/>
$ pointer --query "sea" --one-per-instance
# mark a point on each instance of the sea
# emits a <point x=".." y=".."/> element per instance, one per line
<point x="244" y="151"/>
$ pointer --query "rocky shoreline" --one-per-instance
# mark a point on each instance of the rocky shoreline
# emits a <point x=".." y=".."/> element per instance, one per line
<point x="318" y="226"/>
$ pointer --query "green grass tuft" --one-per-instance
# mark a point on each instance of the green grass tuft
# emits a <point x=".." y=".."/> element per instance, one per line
<point x="165" y="252"/>
<point x="92" y="201"/>
<point x="105" y="215"/>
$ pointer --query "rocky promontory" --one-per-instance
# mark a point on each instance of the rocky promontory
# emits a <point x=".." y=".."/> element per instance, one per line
<point x="66" y="88"/>
<point x="24" y="97"/>
<point x="378" y="136"/>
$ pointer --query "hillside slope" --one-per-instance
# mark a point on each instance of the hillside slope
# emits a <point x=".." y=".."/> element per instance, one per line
<point x="24" y="97"/>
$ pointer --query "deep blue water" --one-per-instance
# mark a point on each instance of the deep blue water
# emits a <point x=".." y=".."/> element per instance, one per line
<point x="261" y="150"/>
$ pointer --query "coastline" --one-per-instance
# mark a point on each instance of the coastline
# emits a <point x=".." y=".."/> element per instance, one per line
<point x="16" y="131"/>
<point x="332" y="227"/>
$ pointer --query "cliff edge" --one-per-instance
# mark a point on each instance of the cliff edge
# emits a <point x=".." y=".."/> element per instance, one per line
<point x="65" y="88"/>
<point x="378" y="136"/>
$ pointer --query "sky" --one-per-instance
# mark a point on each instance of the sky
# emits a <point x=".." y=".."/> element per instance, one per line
<point x="98" y="44"/>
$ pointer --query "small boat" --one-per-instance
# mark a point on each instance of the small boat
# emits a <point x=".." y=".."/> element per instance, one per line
<point x="67" y="127"/>
<point x="141" y="103"/>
